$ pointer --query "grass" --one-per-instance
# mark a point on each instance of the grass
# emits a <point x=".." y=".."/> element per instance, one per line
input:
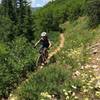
<point x="78" y="36"/>
<point x="65" y="79"/>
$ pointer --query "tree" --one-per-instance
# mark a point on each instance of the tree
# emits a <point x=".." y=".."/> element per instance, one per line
<point x="5" y="7"/>
<point x="19" y="11"/>
<point x="93" y="11"/>
<point x="10" y="9"/>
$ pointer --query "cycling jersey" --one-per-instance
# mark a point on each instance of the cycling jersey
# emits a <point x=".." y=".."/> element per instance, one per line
<point x="44" y="42"/>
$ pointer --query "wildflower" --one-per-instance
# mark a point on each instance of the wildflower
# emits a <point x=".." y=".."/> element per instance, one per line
<point x="94" y="66"/>
<point x="11" y="95"/>
<point x="66" y="93"/>
<point x="97" y="93"/>
<point x="64" y="90"/>
<point x="91" y="76"/>
<point x="86" y="99"/>
<point x="85" y="90"/>
<point x="73" y="94"/>
<point x="88" y="84"/>
<point x="87" y="66"/>
<point x="84" y="75"/>
<point x="74" y="87"/>
<point x="90" y="71"/>
<point x="77" y="73"/>
<point x="89" y="58"/>
<point x="82" y="67"/>
<point x="69" y="91"/>
<point x="92" y="80"/>
<point x="98" y="59"/>
<point x="90" y="87"/>
<point x="67" y="97"/>
<point x="45" y="94"/>
<point x="84" y="87"/>
<point x="83" y="80"/>
<point x="63" y="57"/>
<point x="98" y="84"/>
<point x="75" y="97"/>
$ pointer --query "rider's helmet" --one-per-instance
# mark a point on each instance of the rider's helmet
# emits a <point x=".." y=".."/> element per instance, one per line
<point x="43" y="34"/>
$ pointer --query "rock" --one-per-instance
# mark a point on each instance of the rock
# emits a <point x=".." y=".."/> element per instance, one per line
<point x="94" y="66"/>
<point x="95" y="51"/>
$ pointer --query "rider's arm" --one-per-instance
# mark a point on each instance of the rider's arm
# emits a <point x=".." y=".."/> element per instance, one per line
<point x="50" y="44"/>
<point x="37" y="43"/>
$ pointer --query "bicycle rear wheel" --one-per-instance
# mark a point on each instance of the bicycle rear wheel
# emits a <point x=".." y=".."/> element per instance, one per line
<point x="39" y="61"/>
<point x="45" y="54"/>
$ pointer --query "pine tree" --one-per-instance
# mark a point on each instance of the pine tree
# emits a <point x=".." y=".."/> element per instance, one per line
<point x="5" y="7"/>
<point x="30" y="24"/>
<point x="9" y="7"/>
<point x="19" y="11"/>
<point x="25" y="21"/>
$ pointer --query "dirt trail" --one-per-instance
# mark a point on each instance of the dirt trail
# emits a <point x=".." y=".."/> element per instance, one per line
<point x="95" y="60"/>
<point x="62" y="39"/>
<point x="61" y="45"/>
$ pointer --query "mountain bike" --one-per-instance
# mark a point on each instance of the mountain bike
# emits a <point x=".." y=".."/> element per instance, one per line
<point x="41" y="60"/>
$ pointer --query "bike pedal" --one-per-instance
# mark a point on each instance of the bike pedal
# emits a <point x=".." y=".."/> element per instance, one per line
<point x="41" y="67"/>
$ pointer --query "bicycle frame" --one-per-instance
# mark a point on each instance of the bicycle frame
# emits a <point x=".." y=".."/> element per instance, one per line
<point x="42" y="58"/>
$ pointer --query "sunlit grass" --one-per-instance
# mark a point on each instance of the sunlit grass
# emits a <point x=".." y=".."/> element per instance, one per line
<point x="70" y="77"/>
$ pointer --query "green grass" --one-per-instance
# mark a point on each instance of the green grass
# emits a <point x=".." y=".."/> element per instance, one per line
<point x="57" y="78"/>
<point x="77" y="37"/>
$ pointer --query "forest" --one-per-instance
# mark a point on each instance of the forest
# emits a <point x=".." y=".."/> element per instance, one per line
<point x="20" y="28"/>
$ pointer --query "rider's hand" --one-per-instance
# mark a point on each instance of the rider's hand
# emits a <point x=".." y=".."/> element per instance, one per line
<point x="34" y="46"/>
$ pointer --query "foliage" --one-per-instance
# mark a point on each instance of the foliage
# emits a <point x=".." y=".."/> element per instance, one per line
<point x="51" y="80"/>
<point x="67" y="78"/>
<point x="78" y="36"/>
<point x="5" y="28"/>
<point x="93" y="10"/>
<point x="19" y="26"/>
<point x="17" y="59"/>
<point x="19" y="12"/>
<point x="53" y="14"/>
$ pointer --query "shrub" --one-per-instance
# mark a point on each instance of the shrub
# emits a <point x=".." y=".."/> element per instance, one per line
<point x="16" y="60"/>
<point x="51" y="80"/>
<point x="93" y="11"/>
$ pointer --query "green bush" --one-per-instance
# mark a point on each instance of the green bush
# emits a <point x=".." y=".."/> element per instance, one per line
<point x="51" y="80"/>
<point x="16" y="60"/>
<point x="53" y="14"/>
<point x="74" y="9"/>
<point x="5" y="28"/>
<point x="93" y="10"/>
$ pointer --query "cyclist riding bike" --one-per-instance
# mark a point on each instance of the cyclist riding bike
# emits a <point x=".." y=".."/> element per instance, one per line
<point x="44" y="45"/>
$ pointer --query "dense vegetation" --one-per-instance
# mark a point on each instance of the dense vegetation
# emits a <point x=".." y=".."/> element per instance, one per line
<point x="93" y="10"/>
<point x="20" y="27"/>
<point x="66" y="79"/>
<point x="16" y="53"/>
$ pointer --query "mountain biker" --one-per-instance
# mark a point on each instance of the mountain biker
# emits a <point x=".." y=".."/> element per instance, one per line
<point x="44" y="44"/>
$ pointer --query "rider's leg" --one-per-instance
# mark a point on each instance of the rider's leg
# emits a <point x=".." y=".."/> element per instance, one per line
<point x="45" y="55"/>
<point x="41" y="53"/>
<point x="41" y="49"/>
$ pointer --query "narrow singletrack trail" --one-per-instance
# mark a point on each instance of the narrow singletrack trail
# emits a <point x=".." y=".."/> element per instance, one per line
<point x="62" y="40"/>
<point x="55" y="51"/>
<point x="95" y="59"/>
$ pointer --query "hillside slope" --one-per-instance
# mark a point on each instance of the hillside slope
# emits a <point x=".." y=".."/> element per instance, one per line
<point x="69" y="77"/>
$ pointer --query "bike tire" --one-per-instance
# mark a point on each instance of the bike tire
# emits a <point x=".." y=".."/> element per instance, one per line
<point x="39" y="61"/>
